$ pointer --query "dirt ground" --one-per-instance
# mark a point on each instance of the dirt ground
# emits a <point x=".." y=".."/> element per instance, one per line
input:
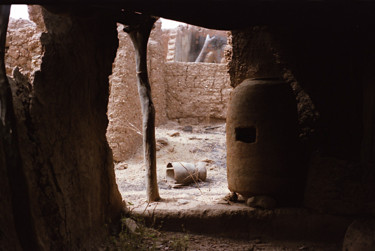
<point x="191" y="144"/>
<point x="172" y="241"/>
<point x="195" y="242"/>
<point x="185" y="144"/>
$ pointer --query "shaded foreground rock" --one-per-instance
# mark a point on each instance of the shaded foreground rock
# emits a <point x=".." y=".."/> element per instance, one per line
<point x="360" y="236"/>
<point x="62" y="124"/>
<point x="263" y="202"/>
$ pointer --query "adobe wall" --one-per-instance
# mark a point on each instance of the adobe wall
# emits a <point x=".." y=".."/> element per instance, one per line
<point x="124" y="110"/>
<point x="197" y="92"/>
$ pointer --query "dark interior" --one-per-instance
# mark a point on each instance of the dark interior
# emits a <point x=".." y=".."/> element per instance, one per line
<point x="58" y="189"/>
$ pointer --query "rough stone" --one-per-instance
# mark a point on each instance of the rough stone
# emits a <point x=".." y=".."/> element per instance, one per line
<point x="163" y="141"/>
<point x="23" y="47"/>
<point x="131" y="225"/>
<point x="339" y="186"/>
<point x="8" y="232"/>
<point x="175" y="134"/>
<point x="122" y="166"/>
<point x="35" y="15"/>
<point x="236" y="220"/>
<point x="360" y="236"/>
<point x="263" y="202"/>
<point x="187" y="129"/>
<point x="62" y="123"/>
<point x="253" y="55"/>
<point x="335" y="126"/>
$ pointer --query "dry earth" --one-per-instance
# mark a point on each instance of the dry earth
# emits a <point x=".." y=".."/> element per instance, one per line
<point x="172" y="241"/>
<point x="178" y="143"/>
<point x="195" y="242"/>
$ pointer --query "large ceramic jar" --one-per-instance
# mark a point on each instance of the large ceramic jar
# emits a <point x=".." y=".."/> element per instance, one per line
<point x="261" y="140"/>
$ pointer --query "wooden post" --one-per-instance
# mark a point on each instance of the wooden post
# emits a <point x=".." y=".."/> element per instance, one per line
<point x="139" y="34"/>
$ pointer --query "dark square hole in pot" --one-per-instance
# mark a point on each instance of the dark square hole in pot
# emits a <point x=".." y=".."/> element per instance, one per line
<point x="246" y="134"/>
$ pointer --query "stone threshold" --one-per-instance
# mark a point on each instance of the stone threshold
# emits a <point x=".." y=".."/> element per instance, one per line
<point x="239" y="221"/>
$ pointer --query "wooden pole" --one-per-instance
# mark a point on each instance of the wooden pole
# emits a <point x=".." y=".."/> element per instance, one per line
<point x="139" y="33"/>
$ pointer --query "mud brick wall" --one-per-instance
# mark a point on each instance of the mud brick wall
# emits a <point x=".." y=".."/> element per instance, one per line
<point x="124" y="109"/>
<point x="197" y="92"/>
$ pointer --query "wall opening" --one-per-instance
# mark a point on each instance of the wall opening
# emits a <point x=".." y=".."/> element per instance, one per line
<point x="190" y="99"/>
<point x="246" y="134"/>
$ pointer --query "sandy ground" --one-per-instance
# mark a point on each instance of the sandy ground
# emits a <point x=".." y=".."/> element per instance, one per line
<point x="177" y="143"/>
<point x="204" y="143"/>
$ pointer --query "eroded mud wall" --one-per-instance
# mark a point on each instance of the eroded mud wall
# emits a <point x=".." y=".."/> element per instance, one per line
<point x="62" y="125"/>
<point x="329" y="64"/>
<point x="23" y="48"/>
<point x="197" y="92"/>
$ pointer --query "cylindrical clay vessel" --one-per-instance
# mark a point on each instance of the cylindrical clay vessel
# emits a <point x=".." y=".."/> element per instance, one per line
<point x="261" y="140"/>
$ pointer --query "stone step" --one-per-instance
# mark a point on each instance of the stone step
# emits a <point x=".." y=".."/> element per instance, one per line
<point x="236" y="221"/>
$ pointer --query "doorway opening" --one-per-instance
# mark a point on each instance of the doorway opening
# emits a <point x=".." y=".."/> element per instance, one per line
<point x="190" y="88"/>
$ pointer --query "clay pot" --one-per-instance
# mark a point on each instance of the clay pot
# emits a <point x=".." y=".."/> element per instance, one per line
<point x="185" y="173"/>
<point x="261" y="138"/>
